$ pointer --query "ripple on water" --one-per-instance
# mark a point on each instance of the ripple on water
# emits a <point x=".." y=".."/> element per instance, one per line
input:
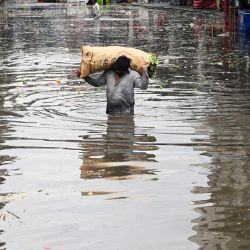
<point x="85" y="172"/>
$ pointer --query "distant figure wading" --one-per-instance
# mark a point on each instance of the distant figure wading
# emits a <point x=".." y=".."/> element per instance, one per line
<point x="95" y="8"/>
<point x="120" y="82"/>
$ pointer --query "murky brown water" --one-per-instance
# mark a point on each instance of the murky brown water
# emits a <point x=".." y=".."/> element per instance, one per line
<point x="173" y="176"/>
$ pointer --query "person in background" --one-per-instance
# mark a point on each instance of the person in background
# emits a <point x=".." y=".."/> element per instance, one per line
<point x="95" y="8"/>
<point x="120" y="82"/>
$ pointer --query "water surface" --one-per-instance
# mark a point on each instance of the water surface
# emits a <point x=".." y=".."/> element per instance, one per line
<point x="175" y="175"/>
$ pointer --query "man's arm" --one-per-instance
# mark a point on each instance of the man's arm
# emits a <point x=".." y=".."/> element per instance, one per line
<point x="142" y="81"/>
<point x="96" y="82"/>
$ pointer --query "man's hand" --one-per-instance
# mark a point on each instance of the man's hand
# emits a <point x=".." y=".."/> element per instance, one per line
<point x="145" y="67"/>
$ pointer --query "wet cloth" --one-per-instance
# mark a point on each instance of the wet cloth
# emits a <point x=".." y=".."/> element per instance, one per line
<point x="120" y="93"/>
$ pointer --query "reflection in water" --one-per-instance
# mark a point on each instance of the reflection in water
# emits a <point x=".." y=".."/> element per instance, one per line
<point x="4" y="159"/>
<point x="120" y="153"/>
<point x="203" y="78"/>
<point x="224" y="221"/>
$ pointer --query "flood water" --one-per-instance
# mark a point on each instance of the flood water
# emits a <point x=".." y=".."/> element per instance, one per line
<point x="173" y="176"/>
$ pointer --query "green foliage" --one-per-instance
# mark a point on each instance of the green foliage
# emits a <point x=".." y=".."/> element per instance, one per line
<point x="154" y="61"/>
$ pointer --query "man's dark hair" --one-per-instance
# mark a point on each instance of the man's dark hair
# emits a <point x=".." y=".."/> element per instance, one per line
<point x="122" y="65"/>
<point x="91" y="2"/>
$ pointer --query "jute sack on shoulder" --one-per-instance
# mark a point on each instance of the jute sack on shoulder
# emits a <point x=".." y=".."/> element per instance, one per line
<point x="96" y="59"/>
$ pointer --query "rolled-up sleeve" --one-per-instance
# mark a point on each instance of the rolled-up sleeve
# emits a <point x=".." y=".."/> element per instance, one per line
<point x="142" y="81"/>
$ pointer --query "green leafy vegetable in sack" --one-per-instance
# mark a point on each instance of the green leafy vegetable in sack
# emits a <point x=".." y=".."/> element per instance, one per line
<point x="154" y="61"/>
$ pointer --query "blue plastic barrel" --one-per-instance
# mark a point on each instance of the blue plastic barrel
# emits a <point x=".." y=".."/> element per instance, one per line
<point x="244" y="21"/>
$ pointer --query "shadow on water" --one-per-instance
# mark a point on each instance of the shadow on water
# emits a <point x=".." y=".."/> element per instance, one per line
<point x="118" y="153"/>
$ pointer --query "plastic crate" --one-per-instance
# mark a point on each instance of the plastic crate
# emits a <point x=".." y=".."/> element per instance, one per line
<point x="244" y="21"/>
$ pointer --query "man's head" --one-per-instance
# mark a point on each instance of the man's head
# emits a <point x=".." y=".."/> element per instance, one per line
<point x="121" y="65"/>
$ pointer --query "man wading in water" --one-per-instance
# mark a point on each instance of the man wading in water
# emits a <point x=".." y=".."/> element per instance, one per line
<point x="120" y="82"/>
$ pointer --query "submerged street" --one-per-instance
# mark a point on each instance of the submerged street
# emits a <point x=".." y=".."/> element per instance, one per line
<point x="173" y="176"/>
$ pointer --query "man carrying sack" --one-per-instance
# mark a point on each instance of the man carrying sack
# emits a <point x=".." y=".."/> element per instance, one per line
<point x="120" y="81"/>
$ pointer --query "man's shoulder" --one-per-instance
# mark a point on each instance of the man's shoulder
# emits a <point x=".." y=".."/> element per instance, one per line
<point x="108" y="72"/>
<point x="134" y="73"/>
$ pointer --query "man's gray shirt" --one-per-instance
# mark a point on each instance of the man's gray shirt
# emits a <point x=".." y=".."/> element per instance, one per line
<point x="120" y="93"/>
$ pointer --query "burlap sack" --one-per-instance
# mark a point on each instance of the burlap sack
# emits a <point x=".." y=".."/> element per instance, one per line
<point x="95" y="59"/>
